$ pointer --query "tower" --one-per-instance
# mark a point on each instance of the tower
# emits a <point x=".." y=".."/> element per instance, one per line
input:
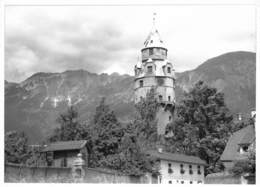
<point x="156" y="71"/>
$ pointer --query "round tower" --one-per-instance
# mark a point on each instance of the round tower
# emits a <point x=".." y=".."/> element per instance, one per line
<point x="155" y="70"/>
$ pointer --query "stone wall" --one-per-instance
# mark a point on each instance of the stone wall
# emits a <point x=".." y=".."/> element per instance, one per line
<point x="17" y="173"/>
<point x="222" y="178"/>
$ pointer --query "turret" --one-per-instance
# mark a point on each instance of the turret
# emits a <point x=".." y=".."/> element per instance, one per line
<point x="156" y="71"/>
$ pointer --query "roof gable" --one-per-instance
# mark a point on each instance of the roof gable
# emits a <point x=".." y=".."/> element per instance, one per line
<point x="65" y="145"/>
<point x="175" y="157"/>
<point x="242" y="136"/>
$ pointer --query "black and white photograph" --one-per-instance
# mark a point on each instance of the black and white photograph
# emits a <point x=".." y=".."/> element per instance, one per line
<point x="127" y="93"/>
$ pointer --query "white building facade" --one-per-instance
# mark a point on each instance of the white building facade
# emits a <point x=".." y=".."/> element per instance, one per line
<point x="178" y="168"/>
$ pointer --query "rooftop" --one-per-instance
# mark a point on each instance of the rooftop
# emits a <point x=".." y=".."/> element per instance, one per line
<point x="65" y="145"/>
<point x="154" y="38"/>
<point x="176" y="157"/>
<point x="242" y="136"/>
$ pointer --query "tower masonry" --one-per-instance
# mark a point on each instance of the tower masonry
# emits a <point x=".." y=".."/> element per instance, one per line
<point x="156" y="71"/>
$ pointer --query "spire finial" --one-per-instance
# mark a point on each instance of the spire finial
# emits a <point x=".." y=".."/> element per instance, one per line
<point x="154" y="16"/>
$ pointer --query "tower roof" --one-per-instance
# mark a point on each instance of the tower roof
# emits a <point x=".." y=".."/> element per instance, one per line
<point x="154" y="38"/>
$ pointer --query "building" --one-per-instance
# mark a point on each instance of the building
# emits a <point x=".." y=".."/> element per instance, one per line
<point x="178" y="168"/>
<point x="237" y="149"/>
<point x="238" y="146"/>
<point x="156" y="71"/>
<point x="63" y="153"/>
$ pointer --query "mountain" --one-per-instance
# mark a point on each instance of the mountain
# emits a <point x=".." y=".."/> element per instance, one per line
<point x="34" y="104"/>
<point x="233" y="73"/>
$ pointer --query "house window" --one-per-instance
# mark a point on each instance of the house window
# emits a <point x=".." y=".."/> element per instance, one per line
<point x="245" y="148"/>
<point x="199" y="182"/>
<point x="160" y="98"/>
<point x="182" y="171"/>
<point x="151" y="41"/>
<point x="64" y="162"/>
<point x="141" y="83"/>
<point x="169" y="70"/>
<point x="49" y="158"/>
<point x="150" y="69"/>
<point x="191" y="182"/>
<point x="170" y="182"/>
<point x="190" y="169"/>
<point x="170" y="168"/>
<point x="182" y="182"/>
<point x="199" y="172"/>
<point x="169" y="98"/>
<point x="170" y="118"/>
<point x="151" y="51"/>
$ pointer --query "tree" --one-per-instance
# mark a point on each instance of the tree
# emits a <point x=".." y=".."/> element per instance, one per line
<point x="106" y="134"/>
<point x="116" y="146"/>
<point x="145" y="122"/>
<point x="245" y="166"/>
<point x="237" y="125"/>
<point x="202" y="125"/>
<point x="16" y="147"/>
<point x="70" y="127"/>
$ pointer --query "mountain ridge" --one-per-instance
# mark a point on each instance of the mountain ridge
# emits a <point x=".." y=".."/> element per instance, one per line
<point x="37" y="101"/>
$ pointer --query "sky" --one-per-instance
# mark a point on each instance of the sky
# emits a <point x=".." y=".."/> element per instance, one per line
<point x="107" y="39"/>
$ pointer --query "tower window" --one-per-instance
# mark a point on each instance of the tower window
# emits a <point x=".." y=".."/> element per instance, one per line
<point x="150" y="69"/>
<point x="141" y="83"/>
<point x="169" y="70"/>
<point x="151" y="51"/>
<point x="169" y="98"/>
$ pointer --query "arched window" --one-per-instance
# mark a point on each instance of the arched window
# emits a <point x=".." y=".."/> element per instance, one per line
<point x="160" y="97"/>
<point x="169" y="69"/>
<point x="150" y="69"/>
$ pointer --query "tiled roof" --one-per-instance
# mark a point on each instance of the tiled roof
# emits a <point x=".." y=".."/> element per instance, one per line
<point x="65" y="145"/>
<point x="176" y="157"/>
<point x="242" y="136"/>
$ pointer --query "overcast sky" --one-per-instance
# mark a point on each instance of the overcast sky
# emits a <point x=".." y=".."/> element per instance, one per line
<point x="109" y="38"/>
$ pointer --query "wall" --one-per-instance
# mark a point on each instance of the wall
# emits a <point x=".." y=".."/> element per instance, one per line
<point x="163" y="119"/>
<point x="17" y="173"/>
<point x="176" y="177"/>
<point x="222" y="178"/>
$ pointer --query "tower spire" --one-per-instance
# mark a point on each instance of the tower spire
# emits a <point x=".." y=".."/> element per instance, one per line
<point x="154" y="17"/>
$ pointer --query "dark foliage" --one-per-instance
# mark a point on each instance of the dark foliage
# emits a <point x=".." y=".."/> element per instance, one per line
<point x="70" y="128"/>
<point x="202" y="126"/>
<point x="16" y="147"/>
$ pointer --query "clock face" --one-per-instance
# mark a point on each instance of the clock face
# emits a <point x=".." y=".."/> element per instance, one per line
<point x="160" y="81"/>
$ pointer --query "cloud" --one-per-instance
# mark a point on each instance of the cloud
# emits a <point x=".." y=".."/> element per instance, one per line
<point x="107" y="39"/>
